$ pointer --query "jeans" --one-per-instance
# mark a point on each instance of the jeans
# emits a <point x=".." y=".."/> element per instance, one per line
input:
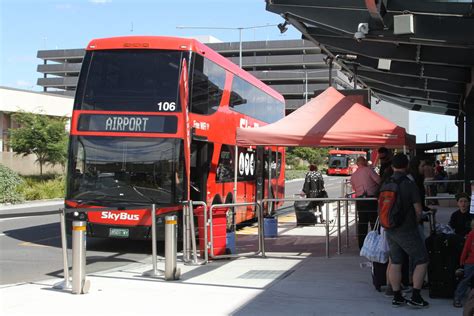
<point x="465" y="282"/>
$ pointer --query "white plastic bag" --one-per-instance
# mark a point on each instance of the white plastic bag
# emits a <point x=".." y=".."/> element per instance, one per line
<point x="375" y="246"/>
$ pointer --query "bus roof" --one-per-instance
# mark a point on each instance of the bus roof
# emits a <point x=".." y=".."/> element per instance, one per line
<point x="178" y="43"/>
<point x="346" y="152"/>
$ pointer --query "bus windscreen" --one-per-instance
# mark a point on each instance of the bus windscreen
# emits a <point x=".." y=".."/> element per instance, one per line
<point x="338" y="162"/>
<point x="130" y="80"/>
<point x="114" y="171"/>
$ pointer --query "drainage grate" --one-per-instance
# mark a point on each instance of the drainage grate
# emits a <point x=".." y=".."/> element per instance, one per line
<point x="266" y="274"/>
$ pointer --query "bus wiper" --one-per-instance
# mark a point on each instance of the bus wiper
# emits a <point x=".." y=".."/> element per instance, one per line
<point x="136" y="189"/>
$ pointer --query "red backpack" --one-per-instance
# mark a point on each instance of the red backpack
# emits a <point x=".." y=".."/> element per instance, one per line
<point x="390" y="208"/>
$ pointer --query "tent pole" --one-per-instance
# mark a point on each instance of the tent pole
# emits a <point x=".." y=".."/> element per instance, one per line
<point x="276" y="185"/>
<point x="269" y="180"/>
<point x="236" y="166"/>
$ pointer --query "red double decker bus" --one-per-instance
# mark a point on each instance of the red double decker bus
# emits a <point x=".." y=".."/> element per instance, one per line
<point x="342" y="162"/>
<point x="154" y="122"/>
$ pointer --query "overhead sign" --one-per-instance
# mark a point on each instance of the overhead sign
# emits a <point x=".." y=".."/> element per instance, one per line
<point x="127" y="123"/>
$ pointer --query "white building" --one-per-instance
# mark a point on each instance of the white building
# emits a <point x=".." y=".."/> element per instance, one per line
<point x="15" y="100"/>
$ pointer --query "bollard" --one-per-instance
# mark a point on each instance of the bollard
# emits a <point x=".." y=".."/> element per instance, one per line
<point x="79" y="283"/>
<point x="171" y="245"/>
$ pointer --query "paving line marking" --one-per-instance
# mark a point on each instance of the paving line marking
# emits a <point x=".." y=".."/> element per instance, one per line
<point x="34" y="243"/>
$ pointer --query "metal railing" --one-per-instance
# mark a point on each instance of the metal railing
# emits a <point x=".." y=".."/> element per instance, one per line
<point x="231" y="206"/>
<point x="189" y="235"/>
<point x="338" y="216"/>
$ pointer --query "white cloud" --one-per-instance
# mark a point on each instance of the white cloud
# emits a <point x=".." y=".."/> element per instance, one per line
<point x="23" y="84"/>
<point x="100" y="1"/>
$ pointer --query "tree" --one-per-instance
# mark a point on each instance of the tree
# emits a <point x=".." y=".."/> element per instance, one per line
<point x="42" y="135"/>
<point x="312" y="155"/>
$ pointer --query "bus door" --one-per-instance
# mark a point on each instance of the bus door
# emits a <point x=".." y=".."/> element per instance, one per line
<point x="201" y="154"/>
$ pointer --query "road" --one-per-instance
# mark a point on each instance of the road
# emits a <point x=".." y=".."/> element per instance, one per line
<point x="31" y="246"/>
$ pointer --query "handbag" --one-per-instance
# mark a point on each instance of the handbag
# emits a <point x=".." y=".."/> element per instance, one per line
<point x="375" y="246"/>
<point x="321" y="195"/>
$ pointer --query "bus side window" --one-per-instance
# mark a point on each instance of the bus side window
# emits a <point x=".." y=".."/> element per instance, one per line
<point x="200" y="87"/>
<point x="216" y="77"/>
<point x="207" y="86"/>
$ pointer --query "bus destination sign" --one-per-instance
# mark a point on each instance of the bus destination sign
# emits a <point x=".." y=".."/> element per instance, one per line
<point x="127" y="123"/>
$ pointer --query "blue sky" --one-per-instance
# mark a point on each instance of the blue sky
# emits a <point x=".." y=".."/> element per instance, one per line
<point x="30" y="25"/>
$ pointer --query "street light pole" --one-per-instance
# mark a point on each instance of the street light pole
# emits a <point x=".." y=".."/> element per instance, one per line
<point x="306" y="86"/>
<point x="240" y="29"/>
<point x="240" y="47"/>
<point x="306" y="72"/>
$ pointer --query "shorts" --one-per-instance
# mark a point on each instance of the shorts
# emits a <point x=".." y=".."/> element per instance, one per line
<point x="410" y="243"/>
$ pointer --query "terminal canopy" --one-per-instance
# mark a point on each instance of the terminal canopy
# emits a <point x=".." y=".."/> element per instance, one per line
<point x="330" y="119"/>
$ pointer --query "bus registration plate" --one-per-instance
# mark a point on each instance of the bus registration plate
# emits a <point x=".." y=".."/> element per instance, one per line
<point x="118" y="232"/>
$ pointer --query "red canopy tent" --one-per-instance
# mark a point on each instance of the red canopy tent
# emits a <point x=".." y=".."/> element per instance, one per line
<point x="330" y="119"/>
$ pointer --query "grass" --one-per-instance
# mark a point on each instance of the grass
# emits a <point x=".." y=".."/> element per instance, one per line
<point x="42" y="187"/>
<point x="295" y="174"/>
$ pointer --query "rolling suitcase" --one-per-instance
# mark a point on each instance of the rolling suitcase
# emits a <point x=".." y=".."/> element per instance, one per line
<point x="304" y="213"/>
<point x="444" y="251"/>
<point x="379" y="276"/>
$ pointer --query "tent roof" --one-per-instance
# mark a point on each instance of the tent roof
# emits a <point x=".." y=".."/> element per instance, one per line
<point x="330" y="119"/>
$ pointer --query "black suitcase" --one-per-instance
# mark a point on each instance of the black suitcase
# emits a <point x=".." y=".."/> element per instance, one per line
<point x="379" y="276"/>
<point x="304" y="213"/>
<point x="444" y="251"/>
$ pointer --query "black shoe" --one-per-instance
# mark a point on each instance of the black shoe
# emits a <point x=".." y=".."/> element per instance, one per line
<point x="457" y="303"/>
<point x="397" y="302"/>
<point x="417" y="303"/>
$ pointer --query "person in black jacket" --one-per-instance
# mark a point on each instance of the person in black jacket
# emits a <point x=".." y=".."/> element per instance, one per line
<point x="385" y="158"/>
<point x="460" y="220"/>
<point x="312" y="188"/>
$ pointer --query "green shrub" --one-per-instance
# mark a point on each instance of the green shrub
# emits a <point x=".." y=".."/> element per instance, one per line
<point x="300" y="173"/>
<point x="295" y="174"/>
<point x="9" y="183"/>
<point x="43" y="187"/>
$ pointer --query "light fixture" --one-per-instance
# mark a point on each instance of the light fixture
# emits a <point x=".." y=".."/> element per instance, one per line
<point x="283" y="27"/>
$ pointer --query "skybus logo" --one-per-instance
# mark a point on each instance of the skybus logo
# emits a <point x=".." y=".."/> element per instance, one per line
<point x="120" y="216"/>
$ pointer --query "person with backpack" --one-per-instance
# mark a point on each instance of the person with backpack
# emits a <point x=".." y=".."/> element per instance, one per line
<point x="400" y="211"/>
<point x="365" y="183"/>
<point x="313" y="186"/>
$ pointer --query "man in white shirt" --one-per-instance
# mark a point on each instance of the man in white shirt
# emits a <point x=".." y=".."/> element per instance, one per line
<point x="365" y="182"/>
